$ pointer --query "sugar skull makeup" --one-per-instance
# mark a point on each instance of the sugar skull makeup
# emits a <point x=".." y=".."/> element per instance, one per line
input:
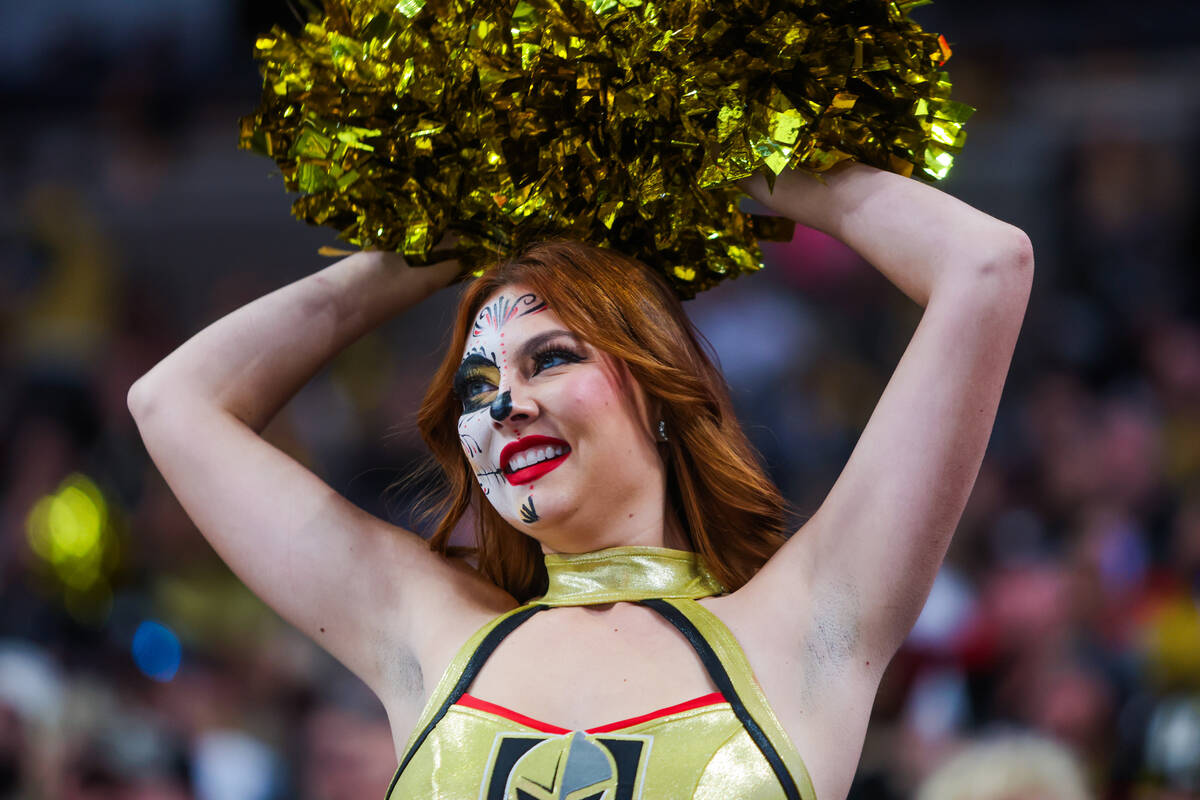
<point x="506" y="462"/>
<point x="556" y="430"/>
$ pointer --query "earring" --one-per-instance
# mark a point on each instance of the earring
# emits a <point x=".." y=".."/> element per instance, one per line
<point x="662" y="431"/>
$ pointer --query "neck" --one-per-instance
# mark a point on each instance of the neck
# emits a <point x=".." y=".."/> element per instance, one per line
<point x="626" y="574"/>
<point x="661" y="530"/>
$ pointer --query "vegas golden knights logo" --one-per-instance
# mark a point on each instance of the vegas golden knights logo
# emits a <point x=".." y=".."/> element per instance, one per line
<point x="573" y="766"/>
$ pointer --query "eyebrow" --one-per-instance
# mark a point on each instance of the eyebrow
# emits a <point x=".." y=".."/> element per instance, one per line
<point x="528" y="347"/>
<point x="534" y="342"/>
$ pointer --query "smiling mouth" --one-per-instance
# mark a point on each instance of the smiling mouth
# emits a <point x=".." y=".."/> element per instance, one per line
<point x="537" y="456"/>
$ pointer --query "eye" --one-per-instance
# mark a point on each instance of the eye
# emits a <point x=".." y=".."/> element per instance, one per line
<point x="475" y="385"/>
<point x="554" y="357"/>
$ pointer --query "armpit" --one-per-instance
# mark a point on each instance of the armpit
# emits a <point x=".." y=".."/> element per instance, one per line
<point x="404" y="674"/>
<point x="833" y="635"/>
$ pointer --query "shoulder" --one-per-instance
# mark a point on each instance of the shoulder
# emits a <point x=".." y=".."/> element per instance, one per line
<point x="414" y="668"/>
<point x="810" y="678"/>
<point x="455" y="604"/>
<point x="445" y="610"/>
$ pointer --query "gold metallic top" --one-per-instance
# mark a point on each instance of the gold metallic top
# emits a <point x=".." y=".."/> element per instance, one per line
<point x="711" y="748"/>
<point x="621" y="574"/>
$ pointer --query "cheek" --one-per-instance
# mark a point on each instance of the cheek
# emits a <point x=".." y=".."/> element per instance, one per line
<point x="474" y="434"/>
<point x="473" y="431"/>
<point x="600" y="398"/>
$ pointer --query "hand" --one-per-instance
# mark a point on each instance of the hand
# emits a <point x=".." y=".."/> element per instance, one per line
<point x="446" y="249"/>
<point x="803" y="197"/>
<point x="443" y="269"/>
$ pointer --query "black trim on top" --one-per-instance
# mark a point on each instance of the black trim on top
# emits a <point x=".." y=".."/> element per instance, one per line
<point x="490" y="642"/>
<point x="716" y="671"/>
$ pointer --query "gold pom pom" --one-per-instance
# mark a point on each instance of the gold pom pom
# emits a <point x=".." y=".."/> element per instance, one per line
<point x="622" y="123"/>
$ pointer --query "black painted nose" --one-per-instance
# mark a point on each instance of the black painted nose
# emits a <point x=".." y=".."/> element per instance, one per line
<point x="502" y="406"/>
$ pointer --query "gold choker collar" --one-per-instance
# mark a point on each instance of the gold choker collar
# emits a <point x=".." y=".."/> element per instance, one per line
<point x="621" y="574"/>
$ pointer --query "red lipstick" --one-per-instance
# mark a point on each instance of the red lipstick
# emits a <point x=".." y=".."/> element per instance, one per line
<point x="534" y="471"/>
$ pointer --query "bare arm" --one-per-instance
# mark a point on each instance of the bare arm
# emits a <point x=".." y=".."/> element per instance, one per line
<point x="345" y="578"/>
<point x="868" y="557"/>
<point x="252" y="361"/>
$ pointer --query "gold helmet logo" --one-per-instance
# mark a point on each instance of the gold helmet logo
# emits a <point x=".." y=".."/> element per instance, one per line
<point x="570" y="767"/>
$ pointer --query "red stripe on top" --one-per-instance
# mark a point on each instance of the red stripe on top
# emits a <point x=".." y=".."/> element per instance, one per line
<point x="686" y="705"/>
<point x="470" y="701"/>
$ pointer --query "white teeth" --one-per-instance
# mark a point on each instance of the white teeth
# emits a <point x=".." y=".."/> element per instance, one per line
<point x="533" y="456"/>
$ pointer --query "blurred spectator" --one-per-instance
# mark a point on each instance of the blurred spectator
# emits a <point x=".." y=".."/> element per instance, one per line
<point x="1008" y="767"/>
<point x="346" y="755"/>
<point x="1069" y="605"/>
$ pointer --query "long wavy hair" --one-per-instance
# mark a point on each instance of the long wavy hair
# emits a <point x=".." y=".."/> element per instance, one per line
<point x="731" y="512"/>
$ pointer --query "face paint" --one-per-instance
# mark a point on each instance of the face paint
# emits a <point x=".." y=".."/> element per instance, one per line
<point x="556" y="431"/>
<point x="529" y="514"/>
<point x="472" y="446"/>
<point x="504" y="308"/>
<point x="501" y="407"/>
<point x="477" y="380"/>
<point x="482" y="382"/>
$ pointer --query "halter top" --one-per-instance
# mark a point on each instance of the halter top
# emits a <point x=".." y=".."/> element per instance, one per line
<point x="724" y="745"/>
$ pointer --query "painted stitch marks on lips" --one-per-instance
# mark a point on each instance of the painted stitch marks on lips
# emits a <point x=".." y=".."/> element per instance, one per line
<point x="486" y="477"/>
<point x="531" y="457"/>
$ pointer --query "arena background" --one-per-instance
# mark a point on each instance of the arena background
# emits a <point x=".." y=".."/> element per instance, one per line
<point x="133" y="664"/>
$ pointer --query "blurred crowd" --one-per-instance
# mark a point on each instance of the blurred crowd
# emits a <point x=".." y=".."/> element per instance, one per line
<point x="135" y="666"/>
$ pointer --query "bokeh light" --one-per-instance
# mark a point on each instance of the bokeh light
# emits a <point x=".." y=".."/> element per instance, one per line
<point x="70" y="530"/>
<point x="157" y="651"/>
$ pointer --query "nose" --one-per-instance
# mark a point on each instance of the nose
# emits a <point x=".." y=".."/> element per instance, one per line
<point x="502" y="406"/>
<point x="502" y="409"/>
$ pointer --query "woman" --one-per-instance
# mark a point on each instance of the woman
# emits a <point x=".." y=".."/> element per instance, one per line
<point x="817" y="622"/>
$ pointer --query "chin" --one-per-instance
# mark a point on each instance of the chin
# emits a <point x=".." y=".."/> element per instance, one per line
<point x="537" y="511"/>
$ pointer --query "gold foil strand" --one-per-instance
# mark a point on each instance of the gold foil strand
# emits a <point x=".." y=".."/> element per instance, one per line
<point x="624" y="123"/>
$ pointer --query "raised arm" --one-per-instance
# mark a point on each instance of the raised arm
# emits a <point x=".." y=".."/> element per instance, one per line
<point x="861" y="567"/>
<point x="345" y="578"/>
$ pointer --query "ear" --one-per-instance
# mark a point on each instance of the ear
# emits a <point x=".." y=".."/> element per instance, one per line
<point x="655" y="409"/>
<point x="652" y="408"/>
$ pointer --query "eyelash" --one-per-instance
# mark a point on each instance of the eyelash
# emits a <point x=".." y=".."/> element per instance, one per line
<point x="554" y="350"/>
<point x="561" y="351"/>
<point x="471" y="382"/>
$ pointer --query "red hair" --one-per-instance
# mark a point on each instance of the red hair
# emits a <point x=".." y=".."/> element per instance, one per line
<point x="730" y="510"/>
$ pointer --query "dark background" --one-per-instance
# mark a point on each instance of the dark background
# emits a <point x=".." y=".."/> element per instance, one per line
<point x="132" y="663"/>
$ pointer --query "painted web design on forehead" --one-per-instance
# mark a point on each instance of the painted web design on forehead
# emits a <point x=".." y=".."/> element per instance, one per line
<point x="500" y="311"/>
